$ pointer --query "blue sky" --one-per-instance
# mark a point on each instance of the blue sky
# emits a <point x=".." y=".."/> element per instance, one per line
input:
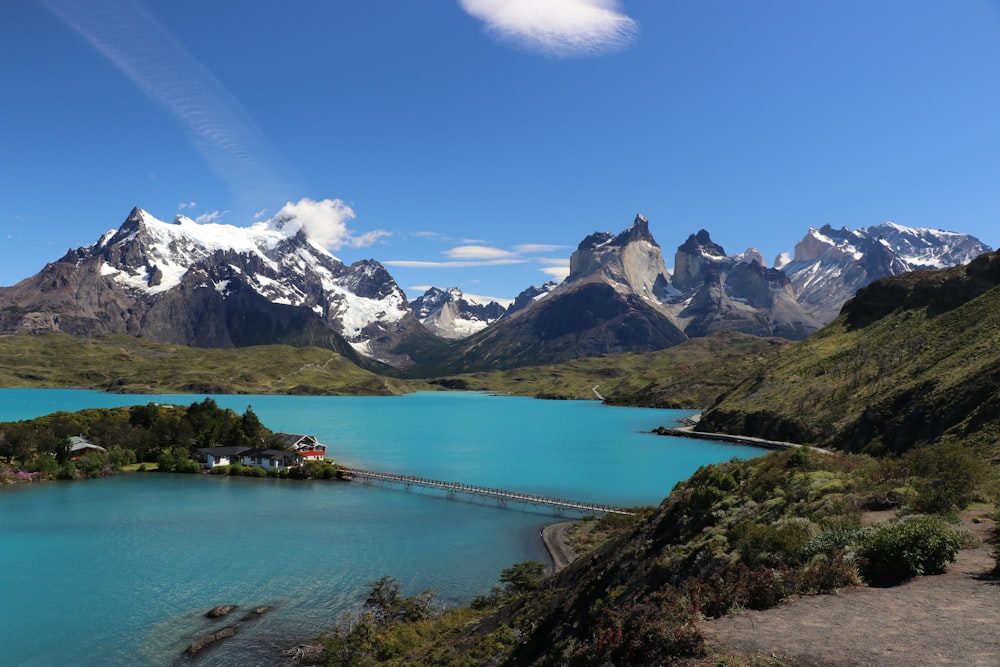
<point x="474" y="143"/>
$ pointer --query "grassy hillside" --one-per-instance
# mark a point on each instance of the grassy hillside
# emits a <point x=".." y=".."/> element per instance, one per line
<point x="690" y="375"/>
<point x="911" y="360"/>
<point x="132" y="365"/>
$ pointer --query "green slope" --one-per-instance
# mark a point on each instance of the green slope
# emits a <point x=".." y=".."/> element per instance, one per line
<point x="689" y="375"/>
<point x="132" y="365"/>
<point x="911" y="360"/>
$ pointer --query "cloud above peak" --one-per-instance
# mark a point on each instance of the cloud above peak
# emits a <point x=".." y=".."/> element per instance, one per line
<point x="562" y="28"/>
<point x="325" y="222"/>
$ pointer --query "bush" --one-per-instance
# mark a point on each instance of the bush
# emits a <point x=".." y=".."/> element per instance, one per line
<point x="945" y="477"/>
<point x="896" y="552"/>
<point x="645" y="634"/>
<point x="768" y="544"/>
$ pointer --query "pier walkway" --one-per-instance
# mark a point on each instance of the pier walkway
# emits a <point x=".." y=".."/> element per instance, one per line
<point x="453" y="489"/>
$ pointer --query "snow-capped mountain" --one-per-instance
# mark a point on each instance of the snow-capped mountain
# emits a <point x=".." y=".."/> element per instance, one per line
<point x="452" y="314"/>
<point x="197" y="284"/>
<point x="830" y="265"/>
<point x="530" y="295"/>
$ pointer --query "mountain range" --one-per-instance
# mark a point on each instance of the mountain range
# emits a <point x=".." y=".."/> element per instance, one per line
<point x="213" y="285"/>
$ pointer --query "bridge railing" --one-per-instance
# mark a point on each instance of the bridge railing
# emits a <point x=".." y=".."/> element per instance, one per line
<point x="501" y="495"/>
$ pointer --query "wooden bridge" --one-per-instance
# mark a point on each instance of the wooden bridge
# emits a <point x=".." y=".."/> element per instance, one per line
<point x="453" y="489"/>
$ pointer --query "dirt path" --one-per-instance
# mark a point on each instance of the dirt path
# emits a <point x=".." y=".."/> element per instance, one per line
<point x="948" y="619"/>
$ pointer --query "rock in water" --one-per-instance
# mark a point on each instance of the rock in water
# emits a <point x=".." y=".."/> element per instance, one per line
<point x="220" y="610"/>
<point x="200" y="644"/>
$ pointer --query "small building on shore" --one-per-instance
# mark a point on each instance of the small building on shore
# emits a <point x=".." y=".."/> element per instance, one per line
<point x="307" y="446"/>
<point x="80" y="447"/>
<point x="210" y="457"/>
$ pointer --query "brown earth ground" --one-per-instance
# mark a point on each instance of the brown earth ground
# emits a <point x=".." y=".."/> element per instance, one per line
<point x="947" y="619"/>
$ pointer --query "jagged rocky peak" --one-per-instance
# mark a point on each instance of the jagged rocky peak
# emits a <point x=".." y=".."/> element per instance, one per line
<point x="826" y="243"/>
<point x="531" y="295"/>
<point x="750" y="256"/>
<point x="630" y="261"/>
<point x="702" y="244"/>
<point x="639" y="231"/>
<point x="696" y="258"/>
<point x="451" y="314"/>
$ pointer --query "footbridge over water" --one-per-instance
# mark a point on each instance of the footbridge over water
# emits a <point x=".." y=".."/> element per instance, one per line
<point x="503" y="498"/>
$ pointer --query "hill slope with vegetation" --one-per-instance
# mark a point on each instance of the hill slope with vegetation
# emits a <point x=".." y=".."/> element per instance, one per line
<point x="689" y="375"/>
<point x="911" y="360"/>
<point x="125" y="364"/>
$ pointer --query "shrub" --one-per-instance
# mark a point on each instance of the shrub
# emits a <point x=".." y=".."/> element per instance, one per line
<point x="896" y="552"/>
<point x="644" y="634"/>
<point x="760" y="544"/>
<point x="945" y="477"/>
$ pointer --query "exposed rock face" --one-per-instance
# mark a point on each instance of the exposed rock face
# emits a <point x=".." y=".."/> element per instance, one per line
<point x="631" y="262"/>
<point x="452" y="314"/>
<point x="713" y="292"/>
<point x="215" y="285"/>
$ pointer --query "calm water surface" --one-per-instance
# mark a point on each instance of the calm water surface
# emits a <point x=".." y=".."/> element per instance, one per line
<point x="120" y="571"/>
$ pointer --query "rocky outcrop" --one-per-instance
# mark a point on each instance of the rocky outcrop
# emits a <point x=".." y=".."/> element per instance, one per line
<point x="220" y="610"/>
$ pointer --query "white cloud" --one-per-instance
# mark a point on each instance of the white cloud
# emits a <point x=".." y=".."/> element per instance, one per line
<point x="557" y="272"/>
<point x="562" y="28"/>
<point x="212" y="216"/>
<point x="421" y="264"/>
<point x="532" y="248"/>
<point x="479" y="252"/>
<point x="183" y="205"/>
<point x="325" y="222"/>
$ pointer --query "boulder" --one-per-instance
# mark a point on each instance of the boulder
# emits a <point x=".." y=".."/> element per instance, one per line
<point x="220" y="610"/>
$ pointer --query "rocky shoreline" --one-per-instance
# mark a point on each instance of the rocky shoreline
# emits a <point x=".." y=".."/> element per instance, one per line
<point x="554" y="538"/>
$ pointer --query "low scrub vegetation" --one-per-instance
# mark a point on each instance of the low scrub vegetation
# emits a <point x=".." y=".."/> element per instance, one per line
<point x="739" y="535"/>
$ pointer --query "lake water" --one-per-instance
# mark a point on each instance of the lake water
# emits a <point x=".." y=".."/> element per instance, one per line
<point x="121" y="570"/>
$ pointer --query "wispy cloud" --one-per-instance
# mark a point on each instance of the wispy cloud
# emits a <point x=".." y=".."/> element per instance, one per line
<point x="562" y="28"/>
<point x="556" y="268"/>
<point x="479" y="252"/>
<point x="468" y="256"/>
<point x="421" y="264"/>
<point x="184" y="205"/>
<point x="136" y="43"/>
<point x="533" y="248"/>
<point x="211" y="216"/>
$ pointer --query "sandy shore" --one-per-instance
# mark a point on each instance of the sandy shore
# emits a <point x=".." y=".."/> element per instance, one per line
<point x="554" y="537"/>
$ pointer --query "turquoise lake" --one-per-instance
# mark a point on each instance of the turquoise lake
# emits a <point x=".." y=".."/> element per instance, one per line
<point x="121" y="570"/>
